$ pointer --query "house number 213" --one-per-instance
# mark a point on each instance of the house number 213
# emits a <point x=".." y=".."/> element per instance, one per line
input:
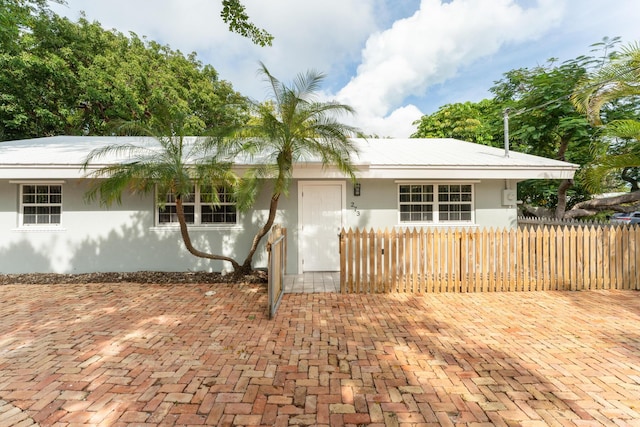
<point x="355" y="209"/>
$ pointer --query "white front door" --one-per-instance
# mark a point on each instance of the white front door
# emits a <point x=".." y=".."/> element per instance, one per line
<point x="320" y="218"/>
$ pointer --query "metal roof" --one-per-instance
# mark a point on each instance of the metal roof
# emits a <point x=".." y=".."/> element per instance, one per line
<point x="438" y="158"/>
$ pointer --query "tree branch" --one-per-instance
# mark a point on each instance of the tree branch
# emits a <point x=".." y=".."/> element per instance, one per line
<point x="593" y="206"/>
<point x="628" y="177"/>
<point x="233" y="13"/>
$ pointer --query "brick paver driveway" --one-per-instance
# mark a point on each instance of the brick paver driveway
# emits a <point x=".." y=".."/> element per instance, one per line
<point x="171" y="355"/>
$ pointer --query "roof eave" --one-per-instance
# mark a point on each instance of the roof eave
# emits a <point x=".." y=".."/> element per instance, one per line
<point x="317" y="171"/>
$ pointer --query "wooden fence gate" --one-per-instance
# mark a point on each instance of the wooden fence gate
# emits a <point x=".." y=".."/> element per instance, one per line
<point x="488" y="260"/>
<point x="276" y="248"/>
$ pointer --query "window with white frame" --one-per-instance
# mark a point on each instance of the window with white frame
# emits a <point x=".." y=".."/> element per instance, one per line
<point x="435" y="203"/>
<point x="223" y="212"/>
<point x="416" y="202"/>
<point x="199" y="208"/>
<point x="40" y="204"/>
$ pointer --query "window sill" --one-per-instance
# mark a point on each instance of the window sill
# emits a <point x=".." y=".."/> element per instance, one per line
<point x="176" y="228"/>
<point x="39" y="229"/>
<point x="438" y="224"/>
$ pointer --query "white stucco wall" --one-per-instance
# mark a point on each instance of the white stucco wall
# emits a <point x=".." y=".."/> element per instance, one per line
<point x="124" y="237"/>
<point x="377" y="206"/>
<point x="119" y="238"/>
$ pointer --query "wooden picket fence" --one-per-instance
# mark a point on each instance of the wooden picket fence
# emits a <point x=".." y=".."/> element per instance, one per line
<point x="474" y="260"/>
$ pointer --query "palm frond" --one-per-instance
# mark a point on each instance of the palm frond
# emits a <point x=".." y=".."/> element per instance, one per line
<point x="618" y="78"/>
<point x="276" y="86"/>
<point x="167" y="160"/>
<point x="623" y="129"/>
<point x="307" y="85"/>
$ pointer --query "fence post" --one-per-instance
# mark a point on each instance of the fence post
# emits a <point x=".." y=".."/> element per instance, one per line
<point x="386" y="257"/>
<point x="343" y="263"/>
<point x="357" y="261"/>
<point x="379" y="271"/>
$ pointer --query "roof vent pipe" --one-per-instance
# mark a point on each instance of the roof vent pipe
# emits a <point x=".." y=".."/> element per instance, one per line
<point x="506" y="132"/>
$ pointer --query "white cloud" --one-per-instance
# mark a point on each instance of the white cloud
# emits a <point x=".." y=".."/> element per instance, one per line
<point x="324" y="36"/>
<point x="445" y="51"/>
<point x="397" y="124"/>
<point x="430" y="47"/>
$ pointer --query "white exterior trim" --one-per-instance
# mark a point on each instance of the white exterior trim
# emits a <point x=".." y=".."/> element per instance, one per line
<point x="40" y="229"/>
<point x="39" y="172"/>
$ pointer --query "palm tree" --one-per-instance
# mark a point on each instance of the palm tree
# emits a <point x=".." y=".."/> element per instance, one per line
<point x="619" y="79"/>
<point x="622" y="156"/>
<point x="293" y="127"/>
<point x="171" y="164"/>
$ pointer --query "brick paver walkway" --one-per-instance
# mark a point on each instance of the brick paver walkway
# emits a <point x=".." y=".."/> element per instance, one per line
<point x="171" y="355"/>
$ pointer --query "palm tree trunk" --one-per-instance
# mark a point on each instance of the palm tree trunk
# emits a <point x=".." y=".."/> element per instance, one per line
<point x="273" y="207"/>
<point x="184" y="231"/>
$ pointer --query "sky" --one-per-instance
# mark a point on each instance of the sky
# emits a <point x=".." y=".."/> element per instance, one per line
<point x="392" y="60"/>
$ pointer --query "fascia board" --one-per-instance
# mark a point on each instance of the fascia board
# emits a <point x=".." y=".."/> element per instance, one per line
<point x="315" y="171"/>
<point x="518" y="173"/>
<point x="40" y="172"/>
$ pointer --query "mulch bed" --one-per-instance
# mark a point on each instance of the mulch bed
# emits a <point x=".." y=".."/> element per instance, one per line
<point x="158" y="277"/>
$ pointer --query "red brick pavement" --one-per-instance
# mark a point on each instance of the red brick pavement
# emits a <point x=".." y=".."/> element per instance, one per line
<point x="142" y="355"/>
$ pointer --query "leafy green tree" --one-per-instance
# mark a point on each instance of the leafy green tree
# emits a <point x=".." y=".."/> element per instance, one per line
<point x="172" y="165"/>
<point x="129" y="81"/>
<point x="15" y="16"/>
<point x="609" y="98"/>
<point x="77" y="78"/>
<point x="544" y="122"/>
<point x="468" y="121"/>
<point x="293" y="127"/>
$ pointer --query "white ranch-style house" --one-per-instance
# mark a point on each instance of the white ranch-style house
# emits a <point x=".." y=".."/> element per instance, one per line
<point x="46" y="224"/>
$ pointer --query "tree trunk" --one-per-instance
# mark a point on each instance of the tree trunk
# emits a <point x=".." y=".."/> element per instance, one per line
<point x="565" y="184"/>
<point x="273" y="208"/>
<point x="562" y="197"/>
<point x="593" y="206"/>
<point x="562" y="149"/>
<point x="184" y="231"/>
